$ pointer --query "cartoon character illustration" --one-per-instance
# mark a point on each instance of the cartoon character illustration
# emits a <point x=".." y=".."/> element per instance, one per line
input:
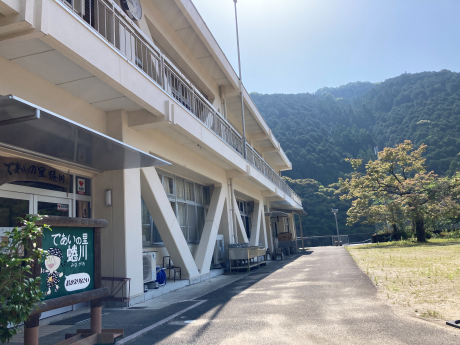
<point x="52" y="263"/>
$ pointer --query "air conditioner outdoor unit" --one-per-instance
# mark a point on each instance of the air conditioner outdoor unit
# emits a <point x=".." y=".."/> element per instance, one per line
<point x="149" y="263"/>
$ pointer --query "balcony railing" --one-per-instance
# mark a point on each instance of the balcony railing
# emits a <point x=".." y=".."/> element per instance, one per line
<point x="108" y="20"/>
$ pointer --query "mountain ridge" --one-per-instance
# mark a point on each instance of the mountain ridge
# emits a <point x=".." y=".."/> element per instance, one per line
<point x="318" y="131"/>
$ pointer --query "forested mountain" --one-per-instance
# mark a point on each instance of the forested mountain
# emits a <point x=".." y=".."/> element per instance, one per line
<point x="318" y="131"/>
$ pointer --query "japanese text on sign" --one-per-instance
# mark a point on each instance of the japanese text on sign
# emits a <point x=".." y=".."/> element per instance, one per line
<point x="18" y="169"/>
<point x="69" y="264"/>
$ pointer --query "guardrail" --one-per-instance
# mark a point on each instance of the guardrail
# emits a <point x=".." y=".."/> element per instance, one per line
<point x="108" y="20"/>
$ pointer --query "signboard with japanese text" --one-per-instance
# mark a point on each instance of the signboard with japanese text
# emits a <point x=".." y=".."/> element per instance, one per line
<point x="18" y="169"/>
<point x="69" y="265"/>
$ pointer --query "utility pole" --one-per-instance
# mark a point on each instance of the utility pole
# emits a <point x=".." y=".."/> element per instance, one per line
<point x="334" y="210"/>
<point x="241" y="83"/>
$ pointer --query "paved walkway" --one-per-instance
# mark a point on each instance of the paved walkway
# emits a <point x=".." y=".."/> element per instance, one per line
<point x="320" y="297"/>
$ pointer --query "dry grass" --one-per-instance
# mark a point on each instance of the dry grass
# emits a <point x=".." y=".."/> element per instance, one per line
<point x="422" y="278"/>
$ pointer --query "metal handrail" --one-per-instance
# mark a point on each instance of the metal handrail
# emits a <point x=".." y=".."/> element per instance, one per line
<point x="260" y="164"/>
<point x="105" y="17"/>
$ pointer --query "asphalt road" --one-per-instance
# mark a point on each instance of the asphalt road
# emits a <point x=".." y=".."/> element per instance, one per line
<point x="319" y="298"/>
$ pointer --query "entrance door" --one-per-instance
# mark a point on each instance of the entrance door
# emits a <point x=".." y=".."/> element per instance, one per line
<point x="52" y="206"/>
<point x="14" y="204"/>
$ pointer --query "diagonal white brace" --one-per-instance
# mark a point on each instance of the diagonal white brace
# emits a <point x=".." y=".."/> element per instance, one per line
<point x="239" y="224"/>
<point x="166" y="222"/>
<point x="255" y="226"/>
<point x="210" y="230"/>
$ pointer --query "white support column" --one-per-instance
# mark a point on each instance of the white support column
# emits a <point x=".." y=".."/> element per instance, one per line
<point x="263" y="228"/>
<point x="292" y="226"/>
<point x="268" y="226"/>
<point x="122" y="241"/>
<point x="239" y="223"/>
<point x="166" y="222"/>
<point x="210" y="230"/>
<point x="255" y="226"/>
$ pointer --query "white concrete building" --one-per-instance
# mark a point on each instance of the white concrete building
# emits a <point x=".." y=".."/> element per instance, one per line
<point x="141" y="107"/>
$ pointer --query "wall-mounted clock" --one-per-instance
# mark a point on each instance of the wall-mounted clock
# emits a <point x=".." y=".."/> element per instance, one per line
<point x="132" y="8"/>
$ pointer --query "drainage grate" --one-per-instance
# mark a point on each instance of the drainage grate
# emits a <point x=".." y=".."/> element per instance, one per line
<point x="75" y="320"/>
<point x="137" y="308"/>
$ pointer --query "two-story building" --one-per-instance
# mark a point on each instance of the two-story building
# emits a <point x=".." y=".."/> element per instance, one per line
<point x="129" y="111"/>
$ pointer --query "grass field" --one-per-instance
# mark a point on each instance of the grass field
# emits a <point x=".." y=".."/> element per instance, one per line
<point x="424" y="279"/>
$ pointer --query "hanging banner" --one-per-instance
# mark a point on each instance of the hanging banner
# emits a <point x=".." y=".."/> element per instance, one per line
<point x="69" y="264"/>
<point x="18" y="169"/>
<point x="81" y="186"/>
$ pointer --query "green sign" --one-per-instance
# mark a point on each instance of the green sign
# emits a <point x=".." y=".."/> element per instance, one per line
<point x="69" y="265"/>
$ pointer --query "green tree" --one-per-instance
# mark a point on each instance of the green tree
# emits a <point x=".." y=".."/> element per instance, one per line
<point x="19" y="291"/>
<point x="397" y="186"/>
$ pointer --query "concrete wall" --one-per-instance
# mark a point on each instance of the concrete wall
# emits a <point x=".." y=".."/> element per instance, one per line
<point x="173" y="134"/>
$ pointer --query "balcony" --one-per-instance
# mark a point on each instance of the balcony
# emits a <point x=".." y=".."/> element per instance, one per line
<point x="111" y="24"/>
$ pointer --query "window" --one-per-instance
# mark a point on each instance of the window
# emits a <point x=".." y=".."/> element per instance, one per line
<point x="206" y="197"/>
<point x="168" y="184"/>
<point x="189" y="201"/>
<point x="182" y="217"/>
<point x="146" y="224"/>
<point x="189" y="194"/>
<point x="191" y="222"/>
<point x="201" y="219"/>
<point x="180" y="189"/>
<point x="198" y="194"/>
<point x="245" y="209"/>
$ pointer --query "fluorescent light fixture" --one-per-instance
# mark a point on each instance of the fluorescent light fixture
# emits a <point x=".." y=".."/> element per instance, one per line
<point x="108" y="197"/>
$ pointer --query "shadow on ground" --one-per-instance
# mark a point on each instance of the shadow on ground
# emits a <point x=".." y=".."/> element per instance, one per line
<point x="133" y="321"/>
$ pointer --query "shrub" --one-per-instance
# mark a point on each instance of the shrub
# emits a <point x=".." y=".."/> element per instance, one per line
<point x="19" y="291"/>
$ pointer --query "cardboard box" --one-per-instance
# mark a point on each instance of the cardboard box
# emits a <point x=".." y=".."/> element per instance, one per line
<point x="285" y="236"/>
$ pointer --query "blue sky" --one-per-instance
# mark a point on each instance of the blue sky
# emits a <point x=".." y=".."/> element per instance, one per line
<point x="296" y="46"/>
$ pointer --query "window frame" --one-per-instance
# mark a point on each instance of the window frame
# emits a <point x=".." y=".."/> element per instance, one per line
<point x="243" y="207"/>
<point x="174" y="200"/>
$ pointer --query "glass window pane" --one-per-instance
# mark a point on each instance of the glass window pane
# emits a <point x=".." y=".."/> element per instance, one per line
<point x="156" y="235"/>
<point x="182" y="217"/>
<point x="180" y="193"/>
<point x="201" y="220"/>
<point x="247" y="225"/>
<point x="189" y="193"/>
<point x="182" y="214"/>
<point x="11" y="209"/>
<point x="206" y="196"/>
<point x="53" y="209"/>
<point x="146" y="225"/>
<point x="199" y="194"/>
<point x="168" y="184"/>
<point x="191" y="221"/>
